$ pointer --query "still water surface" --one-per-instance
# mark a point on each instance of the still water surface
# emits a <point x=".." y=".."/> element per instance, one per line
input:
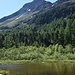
<point x="56" y="68"/>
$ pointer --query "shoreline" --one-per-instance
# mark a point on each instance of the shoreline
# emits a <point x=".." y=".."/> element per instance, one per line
<point x="35" y="61"/>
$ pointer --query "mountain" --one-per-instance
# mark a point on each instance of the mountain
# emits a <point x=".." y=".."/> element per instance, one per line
<point x="38" y="12"/>
<point x="62" y="10"/>
<point x="34" y="6"/>
<point x="61" y="1"/>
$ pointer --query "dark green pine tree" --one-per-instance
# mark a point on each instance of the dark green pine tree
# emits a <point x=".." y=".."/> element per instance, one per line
<point x="7" y="42"/>
<point x="67" y="35"/>
<point x="61" y="36"/>
<point x="73" y="33"/>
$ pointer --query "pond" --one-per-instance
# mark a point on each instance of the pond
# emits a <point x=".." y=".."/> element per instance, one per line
<point x="43" y="68"/>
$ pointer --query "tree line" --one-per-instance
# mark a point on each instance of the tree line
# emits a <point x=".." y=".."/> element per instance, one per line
<point x="45" y="35"/>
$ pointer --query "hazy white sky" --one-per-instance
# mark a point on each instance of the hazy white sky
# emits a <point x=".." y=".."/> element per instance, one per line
<point x="8" y="7"/>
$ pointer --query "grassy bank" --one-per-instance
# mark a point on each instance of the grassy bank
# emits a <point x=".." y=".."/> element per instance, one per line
<point x="13" y="61"/>
<point x="4" y="71"/>
<point x="27" y="61"/>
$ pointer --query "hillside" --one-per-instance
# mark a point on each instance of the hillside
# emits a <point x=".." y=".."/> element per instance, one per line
<point x="38" y="12"/>
<point x="28" y="11"/>
<point x="65" y="10"/>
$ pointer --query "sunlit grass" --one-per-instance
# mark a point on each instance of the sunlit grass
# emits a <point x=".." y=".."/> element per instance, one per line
<point x="4" y="71"/>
